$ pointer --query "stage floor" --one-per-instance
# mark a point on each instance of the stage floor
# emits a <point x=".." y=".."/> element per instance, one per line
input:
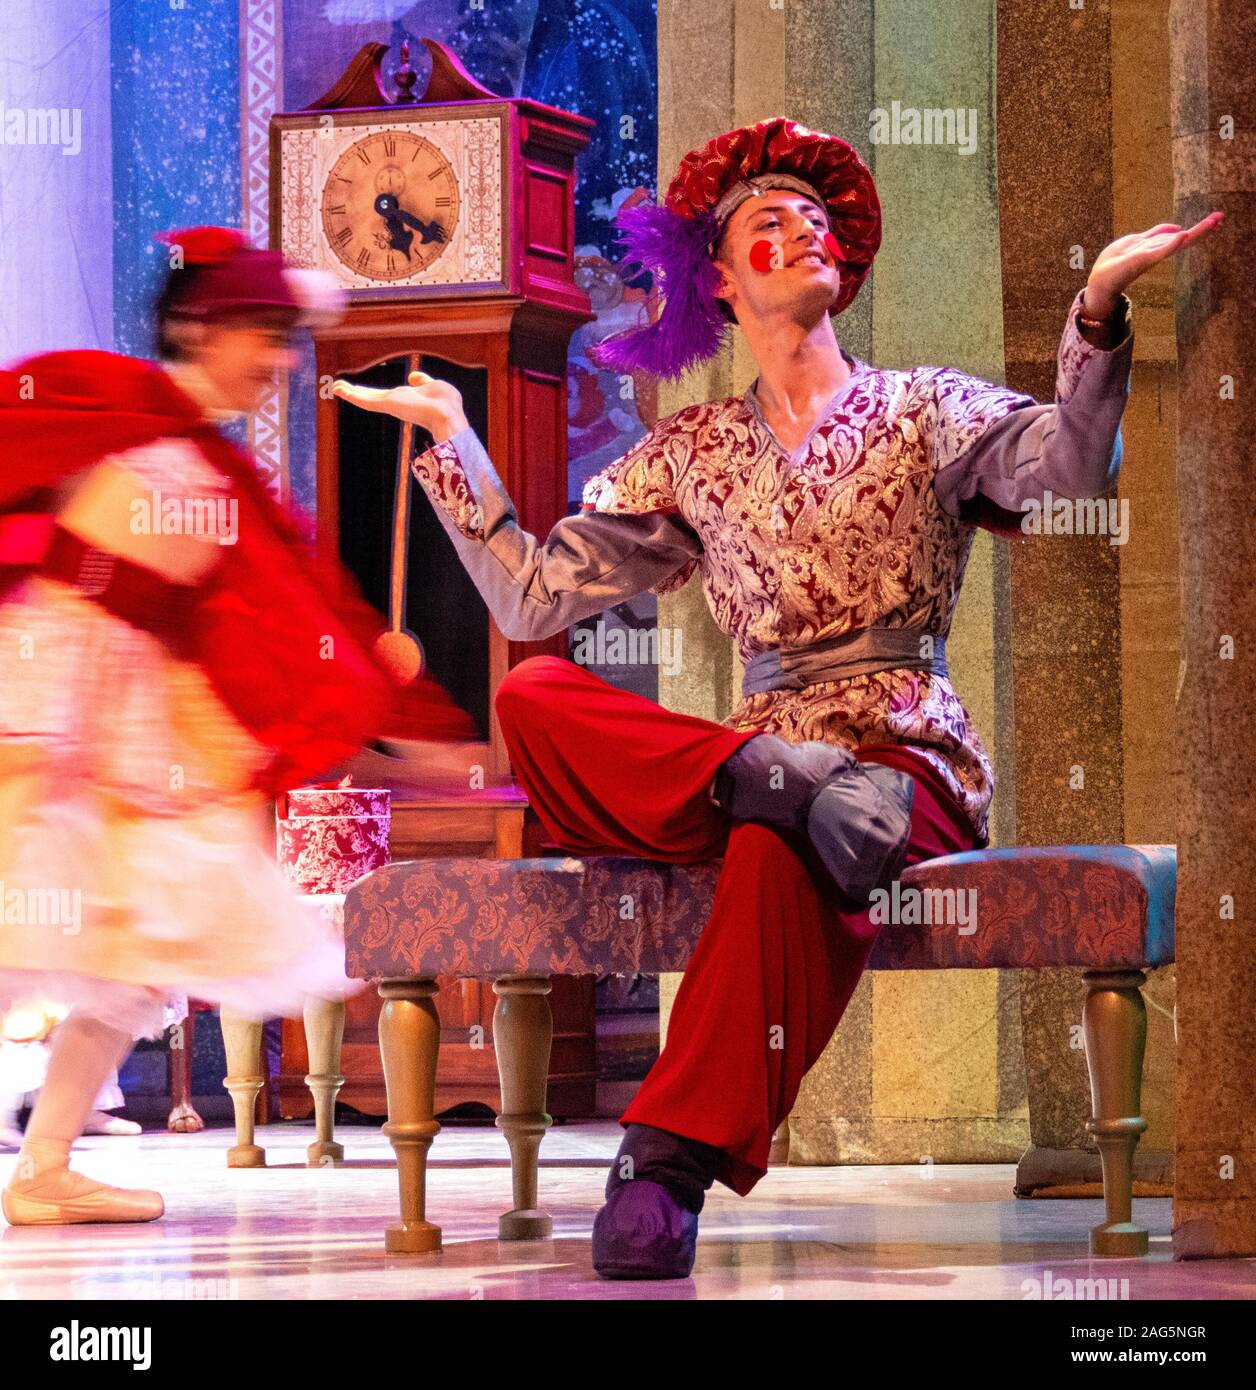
<point x="293" y="1232"/>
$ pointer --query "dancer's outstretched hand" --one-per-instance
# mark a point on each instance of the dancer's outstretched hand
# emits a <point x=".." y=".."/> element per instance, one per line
<point x="1122" y="261"/>
<point x="433" y="405"/>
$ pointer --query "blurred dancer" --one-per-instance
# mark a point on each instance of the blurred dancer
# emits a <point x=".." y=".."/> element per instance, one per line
<point x="169" y="659"/>
<point x="831" y="510"/>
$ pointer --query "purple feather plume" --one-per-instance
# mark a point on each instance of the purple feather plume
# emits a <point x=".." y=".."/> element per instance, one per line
<point x="690" y="327"/>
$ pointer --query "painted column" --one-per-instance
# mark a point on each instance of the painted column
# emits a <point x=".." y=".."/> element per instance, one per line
<point x="946" y="1075"/>
<point x="709" y="39"/>
<point x="261" y="95"/>
<point x="1056" y="214"/>
<point x="1142" y="196"/>
<point x="874" y="1096"/>
<point x="1214" y="155"/>
<point x="1077" y="96"/>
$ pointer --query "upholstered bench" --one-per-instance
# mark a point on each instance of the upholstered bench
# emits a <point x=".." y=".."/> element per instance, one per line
<point x="1107" y="909"/>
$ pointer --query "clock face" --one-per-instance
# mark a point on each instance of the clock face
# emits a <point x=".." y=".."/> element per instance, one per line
<point x="395" y="203"/>
<point x="390" y="205"/>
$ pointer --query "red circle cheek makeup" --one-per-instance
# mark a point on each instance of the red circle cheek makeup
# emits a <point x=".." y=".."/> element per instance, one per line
<point x="766" y="255"/>
<point x="834" y="246"/>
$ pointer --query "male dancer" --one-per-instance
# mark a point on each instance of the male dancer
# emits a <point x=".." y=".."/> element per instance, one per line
<point x="831" y="510"/>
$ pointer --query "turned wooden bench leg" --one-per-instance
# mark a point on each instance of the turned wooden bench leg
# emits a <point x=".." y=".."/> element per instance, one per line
<point x="242" y="1042"/>
<point x="409" y="1043"/>
<point x="324" y="1035"/>
<point x="523" y="1030"/>
<point x="1114" y="1022"/>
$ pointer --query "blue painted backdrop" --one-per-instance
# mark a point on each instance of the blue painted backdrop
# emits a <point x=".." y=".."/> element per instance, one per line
<point x="176" y="141"/>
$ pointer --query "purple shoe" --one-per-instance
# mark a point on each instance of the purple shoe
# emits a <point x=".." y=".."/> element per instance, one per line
<point x="643" y="1232"/>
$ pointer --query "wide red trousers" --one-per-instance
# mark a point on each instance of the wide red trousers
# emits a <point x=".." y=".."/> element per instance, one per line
<point x="608" y="771"/>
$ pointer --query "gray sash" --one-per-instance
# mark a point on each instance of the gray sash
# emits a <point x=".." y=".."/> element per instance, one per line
<point x="859" y="653"/>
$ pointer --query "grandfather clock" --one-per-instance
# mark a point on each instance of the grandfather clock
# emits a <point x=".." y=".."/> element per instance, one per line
<point x="449" y="220"/>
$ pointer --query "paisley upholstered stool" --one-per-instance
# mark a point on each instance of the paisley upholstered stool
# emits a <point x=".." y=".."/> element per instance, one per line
<point x="1107" y="909"/>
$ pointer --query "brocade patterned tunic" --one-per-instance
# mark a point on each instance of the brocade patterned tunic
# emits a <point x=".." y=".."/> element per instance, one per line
<point x="869" y="522"/>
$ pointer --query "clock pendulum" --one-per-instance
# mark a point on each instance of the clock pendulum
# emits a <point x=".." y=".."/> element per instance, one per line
<point x="398" y="648"/>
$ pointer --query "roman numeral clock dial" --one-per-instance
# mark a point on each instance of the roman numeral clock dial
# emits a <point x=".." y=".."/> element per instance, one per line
<point x="390" y="205"/>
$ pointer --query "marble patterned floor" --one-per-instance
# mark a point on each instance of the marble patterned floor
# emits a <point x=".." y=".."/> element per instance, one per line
<point x="291" y="1232"/>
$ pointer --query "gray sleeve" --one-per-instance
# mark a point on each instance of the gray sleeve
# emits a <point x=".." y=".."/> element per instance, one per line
<point x="1071" y="448"/>
<point x="533" y="589"/>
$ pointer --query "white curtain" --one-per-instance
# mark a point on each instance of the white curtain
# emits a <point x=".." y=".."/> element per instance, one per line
<point x="56" y="177"/>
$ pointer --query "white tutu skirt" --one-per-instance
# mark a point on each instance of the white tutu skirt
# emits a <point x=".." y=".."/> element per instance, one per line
<point x="308" y="928"/>
<point x="135" y="863"/>
<point x="141" y="1011"/>
<point x="111" y="914"/>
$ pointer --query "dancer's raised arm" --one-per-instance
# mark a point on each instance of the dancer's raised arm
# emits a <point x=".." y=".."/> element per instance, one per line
<point x="533" y="588"/>
<point x="996" y="451"/>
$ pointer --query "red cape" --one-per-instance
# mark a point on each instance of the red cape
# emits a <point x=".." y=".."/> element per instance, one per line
<point x="283" y="637"/>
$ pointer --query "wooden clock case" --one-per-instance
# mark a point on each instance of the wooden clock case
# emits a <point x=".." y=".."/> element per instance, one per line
<point x="506" y="346"/>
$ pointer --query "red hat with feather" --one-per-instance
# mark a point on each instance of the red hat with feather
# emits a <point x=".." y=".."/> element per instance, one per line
<point x="676" y="241"/>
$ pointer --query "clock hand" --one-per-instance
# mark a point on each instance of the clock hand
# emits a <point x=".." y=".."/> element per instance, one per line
<point x="390" y="210"/>
<point x="428" y="231"/>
